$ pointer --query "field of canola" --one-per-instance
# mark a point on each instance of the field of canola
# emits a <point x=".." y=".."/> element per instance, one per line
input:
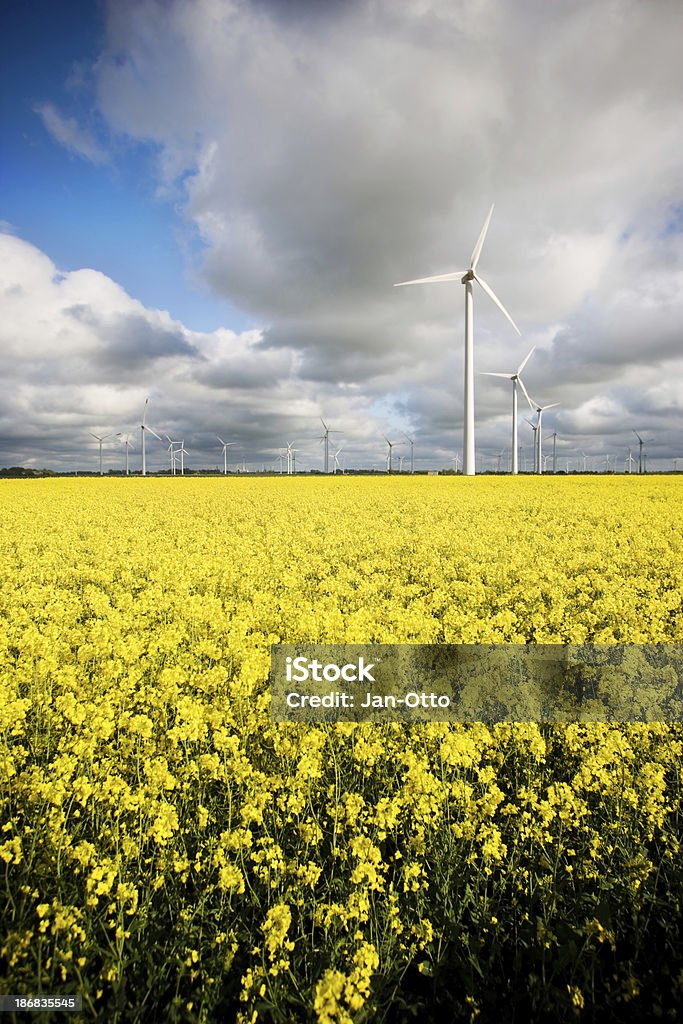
<point x="172" y="855"/>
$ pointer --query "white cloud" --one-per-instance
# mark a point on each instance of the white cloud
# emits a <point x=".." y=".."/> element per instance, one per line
<point x="326" y="151"/>
<point x="68" y="133"/>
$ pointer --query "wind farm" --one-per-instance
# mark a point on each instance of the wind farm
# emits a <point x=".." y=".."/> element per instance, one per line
<point x="242" y="431"/>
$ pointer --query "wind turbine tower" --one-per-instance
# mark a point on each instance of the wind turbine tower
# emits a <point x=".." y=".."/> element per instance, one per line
<point x="226" y="445"/>
<point x="514" y="377"/>
<point x="554" y="437"/>
<point x="411" y="442"/>
<point x="389" y="453"/>
<point x="539" y="409"/>
<point x="534" y="427"/>
<point x="125" y="439"/>
<point x="100" y="439"/>
<point x="143" y="428"/>
<point x="326" y="439"/>
<point x="466" y="278"/>
<point x="640" y="451"/>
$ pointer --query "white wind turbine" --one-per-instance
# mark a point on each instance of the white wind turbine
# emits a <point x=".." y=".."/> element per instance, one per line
<point x="100" y="439"/>
<point x="411" y="442"/>
<point x="226" y="445"/>
<point x="326" y="440"/>
<point x="335" y="457"/>
<point x="466" y="278"/>
<point x="291" y="458"/>
<point x="389" y="452"/>
<point x="143" y="428"/>
<point x="539" y="410"/>
<point x="514" y="377"/>
<point x="642" y="457"/>
<point x="173" y="452"/>
<point x="125" y="439"/>
<point x="534" y="428"/>
<point x="181" y="452"/>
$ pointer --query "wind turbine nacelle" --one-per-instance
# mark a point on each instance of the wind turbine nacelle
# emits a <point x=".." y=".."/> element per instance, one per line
<point x="469" y="276"/>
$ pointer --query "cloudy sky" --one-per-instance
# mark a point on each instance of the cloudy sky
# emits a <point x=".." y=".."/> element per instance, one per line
<point x="208" y="202"/>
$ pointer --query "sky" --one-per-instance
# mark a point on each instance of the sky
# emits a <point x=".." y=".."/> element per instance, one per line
<point x="207" y="203"/>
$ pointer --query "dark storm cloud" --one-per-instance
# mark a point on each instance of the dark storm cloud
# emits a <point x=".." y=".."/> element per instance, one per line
<point x="325" y="151"/>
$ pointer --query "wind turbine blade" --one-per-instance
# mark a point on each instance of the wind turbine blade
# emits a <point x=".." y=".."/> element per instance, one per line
<point x="220" y="439"/>
<point x="93" y="435"/>
<point x="552" y="406"/>
<point x="491" y="294"/>
<point x="144" y="411"/>
<point x="638" y="436"/>
<point x="525" y="361"/>
<point x="323" y="423"/>
<point x="476" y="252"/>
<point x="487" y="373"/>
<point x="455" y="276"/>
<point x="526" y="394"/>
<point x="156" y="435"/>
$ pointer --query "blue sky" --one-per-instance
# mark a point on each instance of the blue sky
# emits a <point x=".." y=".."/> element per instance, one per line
<point x="107" y="214"/>
<point x="208" y="202"/>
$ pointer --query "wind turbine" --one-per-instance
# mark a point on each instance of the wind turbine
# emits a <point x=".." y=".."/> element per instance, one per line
<point x="291" y="458"/>
<point x="534" y="427"/>
<point x="540" y="409"/>
<point x="143" y="428"/>
<point x="326" y="439"/>
<point x="181" y="452"/>
<point x="125" y="439"/>
<point x="336" y="460"/>
<point x="389" y="453"/>
<point x="411" y="442"/>
<point x="466" y="278"/>
<point x="100" y="439"/>
<point x="514" y="377"/>
<point x="554" y="437"/>
<point x="641" y="460"/>
<point x="226" y="445"/>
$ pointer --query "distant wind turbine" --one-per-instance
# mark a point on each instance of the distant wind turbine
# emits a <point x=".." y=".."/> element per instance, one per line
<point x="554" y="437"/>
<point x="641" y="459"/>
<point x="125" y="439"/>
<point x="291" y="458"/>
<point x="337" y="466"/>
<point x="226" y="445"/>
<point x="143" y="428"/>
<point x="540" y="409"/>
<point x="466" y="278"/>
<point x="534" y="428"/>
<point x="411" y="442"/>
<point x="389" y="452"/>
<point x="514" y="377"/>
<point x="326" y="440"/>
<point x="100" y="439"/>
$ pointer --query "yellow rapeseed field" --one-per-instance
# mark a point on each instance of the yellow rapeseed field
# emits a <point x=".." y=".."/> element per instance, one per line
<point x="171" y="854"/>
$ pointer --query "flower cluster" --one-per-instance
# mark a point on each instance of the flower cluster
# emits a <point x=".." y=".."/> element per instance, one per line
<point x="164" y="843"/>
